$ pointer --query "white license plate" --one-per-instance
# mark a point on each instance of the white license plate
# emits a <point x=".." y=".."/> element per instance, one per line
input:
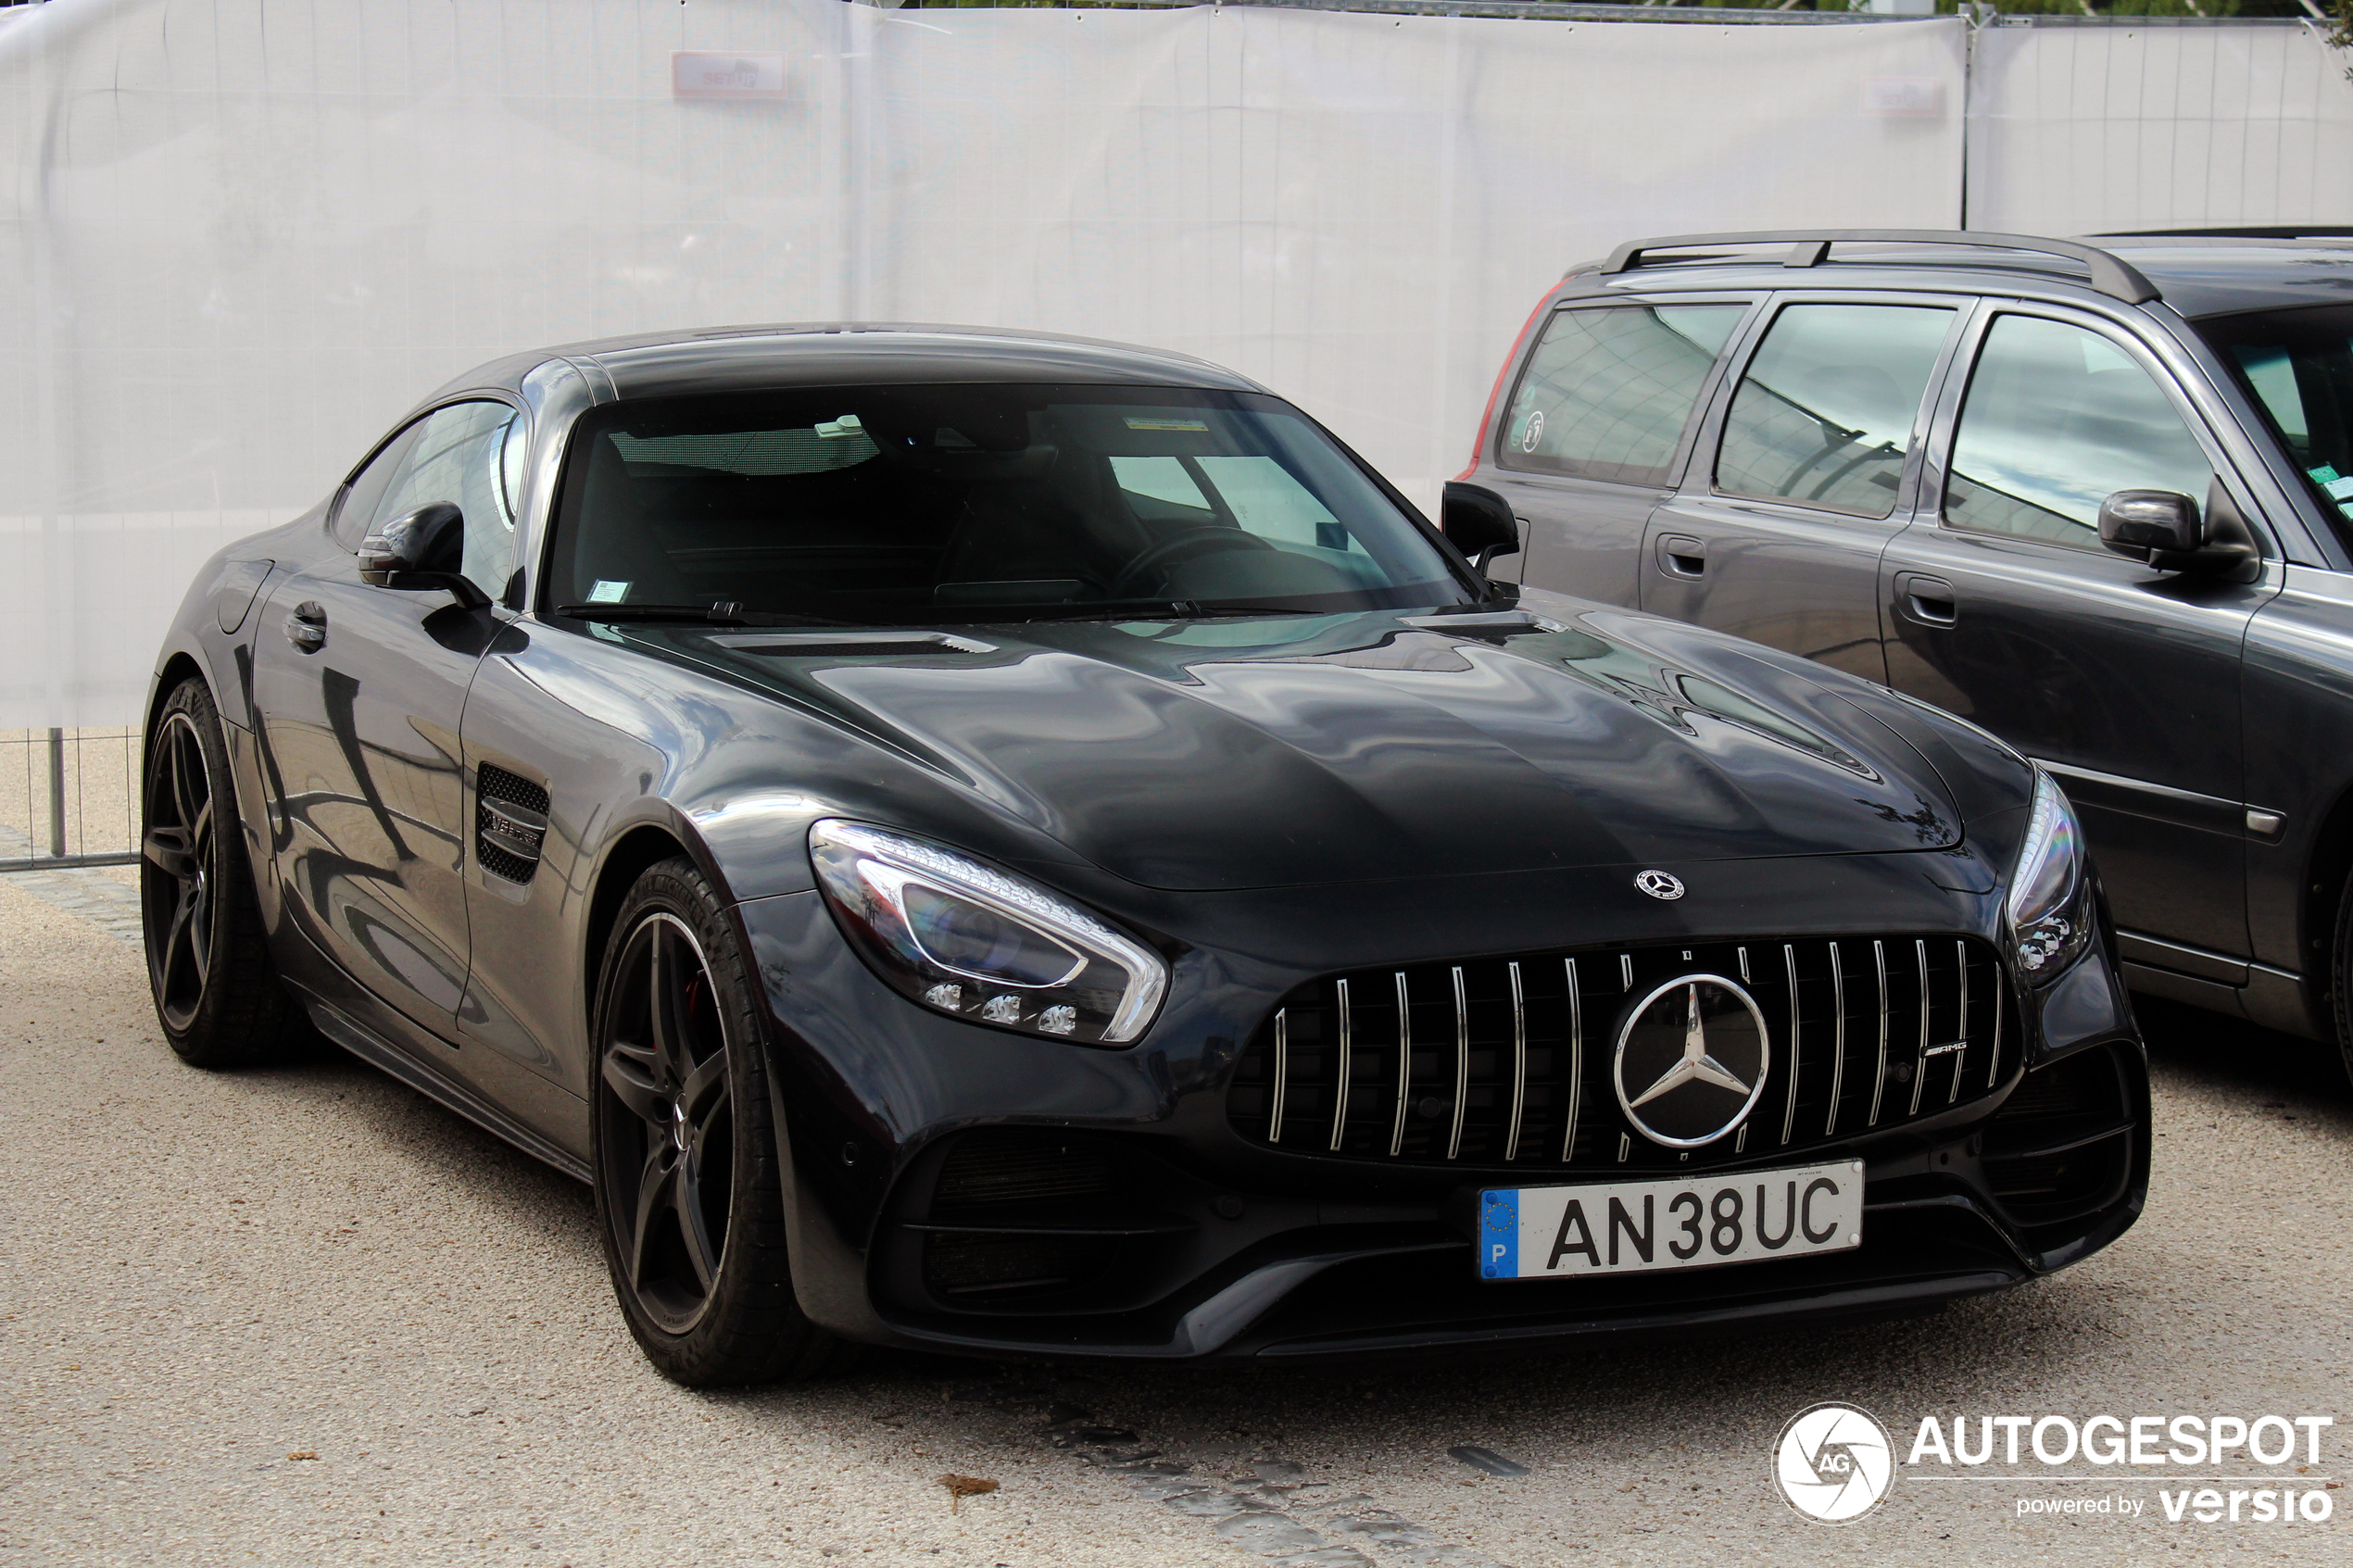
<point x="1686" y="1222"/>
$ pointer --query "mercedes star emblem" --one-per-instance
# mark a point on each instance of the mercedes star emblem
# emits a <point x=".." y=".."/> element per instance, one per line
<point x="1691" y="1061"/>
<point x="1660" y="884"/>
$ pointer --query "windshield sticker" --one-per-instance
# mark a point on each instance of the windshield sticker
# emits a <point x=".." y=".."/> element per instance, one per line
<point x="1201" y="425"/>
<point x="2339" y="489"/>
<point x="607" y="591"/>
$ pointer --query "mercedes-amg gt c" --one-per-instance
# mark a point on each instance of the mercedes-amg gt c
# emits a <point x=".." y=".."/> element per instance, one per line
<point x="988" y="841"/>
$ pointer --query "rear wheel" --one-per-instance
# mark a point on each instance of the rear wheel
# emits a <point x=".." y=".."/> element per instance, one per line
<point x="689" y="1192"/>
<point x="217" y="992"/>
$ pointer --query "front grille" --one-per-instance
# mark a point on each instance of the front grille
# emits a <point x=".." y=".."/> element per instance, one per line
<point x="1508" y="1061"/>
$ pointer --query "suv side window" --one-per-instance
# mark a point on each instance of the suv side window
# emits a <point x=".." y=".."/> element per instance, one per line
<point x="1824" y="415"/>
<point x="470" y="454"/>
<point x="1608" y="392"/>
<point x="2056" y="420"/>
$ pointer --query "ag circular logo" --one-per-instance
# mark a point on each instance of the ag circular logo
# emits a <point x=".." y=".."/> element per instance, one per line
<point x="1533" y="431"/>
<point x="1834" y="1463"/>
<point x="1691" y="1061"/>
<point x="1660" y="884"/>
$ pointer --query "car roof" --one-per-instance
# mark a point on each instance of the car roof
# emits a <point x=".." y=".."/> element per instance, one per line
<point x="2198" y="275"/>
<point x="850" y="354"/>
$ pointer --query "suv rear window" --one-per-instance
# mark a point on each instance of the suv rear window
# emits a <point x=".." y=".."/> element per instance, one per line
<point x="1608" y="392"/>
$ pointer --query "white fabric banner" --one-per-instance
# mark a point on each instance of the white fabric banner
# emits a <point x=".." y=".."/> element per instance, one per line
<point x="239" y="237"/>
<point x="2087" y="130"/>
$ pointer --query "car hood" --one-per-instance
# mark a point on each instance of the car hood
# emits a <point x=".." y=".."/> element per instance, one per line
<point x="1207" y="755"/>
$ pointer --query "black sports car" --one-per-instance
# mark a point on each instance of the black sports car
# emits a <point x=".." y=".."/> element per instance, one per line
<point x="992" y="841"/>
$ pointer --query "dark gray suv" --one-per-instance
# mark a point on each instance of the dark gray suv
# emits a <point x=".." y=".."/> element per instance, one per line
<point x="2096" y="496"/>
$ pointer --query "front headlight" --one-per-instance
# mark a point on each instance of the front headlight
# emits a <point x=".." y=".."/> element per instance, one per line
<point x="980" y="943"/>
<point x="2050" y="897"/>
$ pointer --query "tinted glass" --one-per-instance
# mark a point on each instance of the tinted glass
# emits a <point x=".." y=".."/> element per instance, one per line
<point x="356" y="511"/>
<point x="2056" y="420"/>
<point x="1608" y="392"/>
<point x="912" y="505"/>
<point x="2300" y="366"/>
<point x="1825" y="411"/>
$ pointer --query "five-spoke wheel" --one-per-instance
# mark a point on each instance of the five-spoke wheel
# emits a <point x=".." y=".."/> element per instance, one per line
<point x="689" y="1182"/>
<point x="217" y="992"/>
<point x="176" y="892"/>
<point x="664" y="1065"/>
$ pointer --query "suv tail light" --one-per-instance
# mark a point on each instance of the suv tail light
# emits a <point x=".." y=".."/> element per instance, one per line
<point x="1495" y="393"/>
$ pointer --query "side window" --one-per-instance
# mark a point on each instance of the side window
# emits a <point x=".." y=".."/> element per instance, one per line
<point x="1608" y="390"/>
<point x="471" y="455"/>
<point x="2056" y="420"/>
<point x="1824" y="413"/>
<point x="357" y="513"/>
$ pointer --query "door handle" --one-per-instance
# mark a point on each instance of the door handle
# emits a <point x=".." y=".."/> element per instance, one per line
<point x="1680" y="555"/>
<point x="307" y="627"/>
<point x="1928" y="600"/>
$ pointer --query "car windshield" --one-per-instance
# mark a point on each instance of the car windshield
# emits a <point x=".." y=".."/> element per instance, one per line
<point x="2300" y="366"/>
<point x="892" y="505"/>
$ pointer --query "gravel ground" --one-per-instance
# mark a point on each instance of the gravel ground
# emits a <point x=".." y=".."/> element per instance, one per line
<point x="303" y="1316"/>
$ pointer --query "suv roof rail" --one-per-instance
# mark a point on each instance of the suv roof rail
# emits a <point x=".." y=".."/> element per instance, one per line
<point x="2277" y="231"/>
<point x="1808" y="247"/>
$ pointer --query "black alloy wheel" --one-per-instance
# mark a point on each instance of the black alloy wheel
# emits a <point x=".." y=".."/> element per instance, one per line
<point x="217" y="992"/>
<point x="688" y="1188"/>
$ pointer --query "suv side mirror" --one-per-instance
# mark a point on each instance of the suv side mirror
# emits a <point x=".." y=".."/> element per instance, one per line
<point x="2163" y="528"/>
<point x="1478" y="522"/>
<point x="2137" y="522"/>
<point x="422" y="549"/>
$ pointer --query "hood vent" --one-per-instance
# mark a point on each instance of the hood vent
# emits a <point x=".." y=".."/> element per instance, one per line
<point x="511" y="822"/>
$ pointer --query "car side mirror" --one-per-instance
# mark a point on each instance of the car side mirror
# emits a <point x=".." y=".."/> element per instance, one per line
<point x="2165" y="528"/>
<point x="2138" y="522"/>
<point x="1478" y="522"/>
<point x="422" y="549"/>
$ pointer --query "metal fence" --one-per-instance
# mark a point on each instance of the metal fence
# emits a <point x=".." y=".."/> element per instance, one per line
<point x="68" y="798"/>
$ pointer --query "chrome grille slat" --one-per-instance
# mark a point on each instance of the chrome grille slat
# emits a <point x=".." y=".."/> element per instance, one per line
<point x="1920" y="1063"/>
<point x="1576" y="1060"/>
<point x="1347" y="1049"/>
<point x="1838" y="1039"/>
<point x="1405" y="1065"/>
<point x="1282" y="1074"/>
<point x="1527" y="1093"/>
<point x="1462" y="1064"/>
<point x="1960" y="963"/>
<point x="1878" y="1081"/>
<point x="1796" y="1039"/>
<point x="1519" y="1065"/>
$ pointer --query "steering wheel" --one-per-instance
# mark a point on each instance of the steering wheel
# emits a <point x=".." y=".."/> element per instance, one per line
<point x="1208" y="539"/>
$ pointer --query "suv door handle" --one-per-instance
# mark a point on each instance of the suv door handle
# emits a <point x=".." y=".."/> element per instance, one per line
<point x="1680" y="555"/>
<point x="1928" y="600"/>
<point x="307" y="627"/>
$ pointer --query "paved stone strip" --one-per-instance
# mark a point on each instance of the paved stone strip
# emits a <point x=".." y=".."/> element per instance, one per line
<point x="89" y="892"/>
<point x="1270" y="1508"/>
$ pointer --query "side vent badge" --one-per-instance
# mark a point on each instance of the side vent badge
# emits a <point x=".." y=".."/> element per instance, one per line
<point x="511" y="822"/>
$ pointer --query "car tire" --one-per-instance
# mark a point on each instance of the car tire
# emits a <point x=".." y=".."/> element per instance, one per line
<point x="2341" y="977"/>
<point x="216" y="991"/>
<point x="689" y="1192"/>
